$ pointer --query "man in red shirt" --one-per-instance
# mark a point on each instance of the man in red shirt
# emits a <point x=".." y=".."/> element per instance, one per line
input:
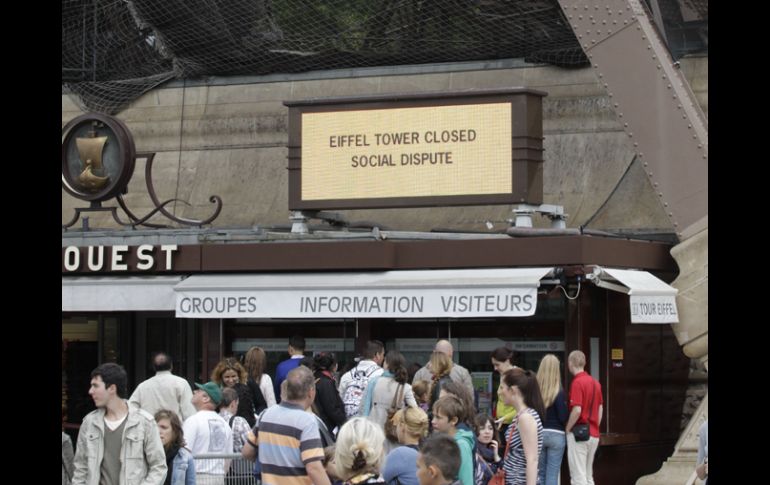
<point x="585" y="396"/>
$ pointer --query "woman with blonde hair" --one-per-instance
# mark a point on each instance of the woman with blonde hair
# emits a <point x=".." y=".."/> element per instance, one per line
<point x="401" y="463"/>
<point x="255" y="362"/>
<point x="556" y="415"/>
<point x="441" y="366"/>
<point x="230" y="373"/>
<point x="358" y="452"/>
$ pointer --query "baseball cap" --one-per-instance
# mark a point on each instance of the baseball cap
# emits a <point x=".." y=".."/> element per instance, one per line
<point x="212" y="389"/>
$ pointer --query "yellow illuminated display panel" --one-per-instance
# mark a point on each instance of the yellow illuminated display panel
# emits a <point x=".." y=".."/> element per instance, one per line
<point x="407" y="152"/>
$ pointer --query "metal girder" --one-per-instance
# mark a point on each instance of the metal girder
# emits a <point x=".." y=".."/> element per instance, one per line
<point x="653" y="102"/>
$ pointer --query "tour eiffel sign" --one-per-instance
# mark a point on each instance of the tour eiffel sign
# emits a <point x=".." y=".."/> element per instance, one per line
<point x="98" y="160"/>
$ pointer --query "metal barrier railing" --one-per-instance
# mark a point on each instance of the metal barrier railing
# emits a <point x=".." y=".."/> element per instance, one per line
<point x="224" y="469"/>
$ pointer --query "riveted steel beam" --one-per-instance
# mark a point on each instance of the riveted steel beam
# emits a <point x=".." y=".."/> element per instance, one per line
<point x="652" y="100"/>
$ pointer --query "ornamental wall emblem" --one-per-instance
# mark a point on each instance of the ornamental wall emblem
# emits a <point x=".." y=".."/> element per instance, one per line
<point x="98" y="159"/>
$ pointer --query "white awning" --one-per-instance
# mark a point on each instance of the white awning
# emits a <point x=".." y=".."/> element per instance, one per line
<point x="110" y="294"/>
<point x="389" y="294"/>
<point x="652" y="300"/>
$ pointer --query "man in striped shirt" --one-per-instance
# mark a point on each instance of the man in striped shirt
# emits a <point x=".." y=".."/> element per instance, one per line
<point x="287" y="438"/>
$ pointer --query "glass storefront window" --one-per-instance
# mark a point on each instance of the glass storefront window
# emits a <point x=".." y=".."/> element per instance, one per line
<point x="275" y="348"/>
<point x="79" y="357"/>
<point x="337" y="336"/>
<point x="111" y="340"/>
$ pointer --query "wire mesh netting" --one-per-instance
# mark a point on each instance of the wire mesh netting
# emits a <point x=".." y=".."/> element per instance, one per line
<point x="114" y="51"/>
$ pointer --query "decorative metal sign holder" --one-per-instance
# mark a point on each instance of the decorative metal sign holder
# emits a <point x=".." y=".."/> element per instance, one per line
<point x="98" y="159"/>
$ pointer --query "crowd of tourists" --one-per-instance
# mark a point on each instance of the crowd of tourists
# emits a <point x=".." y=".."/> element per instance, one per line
<point x="371" y="424"/>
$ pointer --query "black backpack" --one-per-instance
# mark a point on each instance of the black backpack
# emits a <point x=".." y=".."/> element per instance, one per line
<point x="245" y="404"/>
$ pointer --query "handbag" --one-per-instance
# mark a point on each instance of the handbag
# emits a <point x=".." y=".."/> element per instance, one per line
<point x="390" y="427"/>
<point x="582" y="431"/>
<point x="498" y="478"/>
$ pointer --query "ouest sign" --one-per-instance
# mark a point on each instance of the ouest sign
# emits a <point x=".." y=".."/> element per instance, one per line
<point x="146" y="257"/>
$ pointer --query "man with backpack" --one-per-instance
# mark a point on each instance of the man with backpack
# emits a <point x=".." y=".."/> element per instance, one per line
<point x="353" y="383"/>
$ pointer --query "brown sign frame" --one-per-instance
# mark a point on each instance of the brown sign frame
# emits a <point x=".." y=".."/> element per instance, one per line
<point x="526" y="146"/>
<point x="126" y="157"/>
<point x="391" y="254"/>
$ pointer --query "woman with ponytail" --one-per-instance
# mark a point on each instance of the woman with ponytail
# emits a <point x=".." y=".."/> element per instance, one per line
<point x="358" y="452"/>
<point x="400" y="466"/>
<point x="441" y="366"/>
<point x="388" y="392"/>
<point x="519" y="389"/>
<point x="328" y="404"/>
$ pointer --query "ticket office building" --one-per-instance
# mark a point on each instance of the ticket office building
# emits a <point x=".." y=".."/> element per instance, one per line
<point x="124" y="317"/>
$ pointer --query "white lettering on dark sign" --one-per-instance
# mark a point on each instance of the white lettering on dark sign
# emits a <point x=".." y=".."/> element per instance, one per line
<point x="98" y="258"/>
<point x="71" y="258"/>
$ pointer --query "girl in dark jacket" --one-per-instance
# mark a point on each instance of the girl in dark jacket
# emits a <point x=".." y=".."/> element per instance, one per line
<point x="328" y="404"/>
<point x="487" y="449"/>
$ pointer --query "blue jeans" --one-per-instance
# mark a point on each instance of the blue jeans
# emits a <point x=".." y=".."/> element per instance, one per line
<point x="549" y="464"/>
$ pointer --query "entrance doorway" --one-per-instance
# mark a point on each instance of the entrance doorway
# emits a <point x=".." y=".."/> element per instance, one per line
<point x="162" y="332"/>
<point x="337" y="336"/>
<point x="88" y="340"/>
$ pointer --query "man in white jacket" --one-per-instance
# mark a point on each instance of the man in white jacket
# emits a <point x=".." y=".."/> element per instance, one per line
<point x="164" y="390"/>
<point x="116" y="443"/>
